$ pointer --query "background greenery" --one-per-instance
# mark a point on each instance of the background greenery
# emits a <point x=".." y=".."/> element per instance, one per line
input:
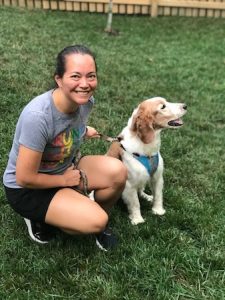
<point x="178" y="256"/>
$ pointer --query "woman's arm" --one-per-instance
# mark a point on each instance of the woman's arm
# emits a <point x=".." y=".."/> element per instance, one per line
<point x="27" y="175"/>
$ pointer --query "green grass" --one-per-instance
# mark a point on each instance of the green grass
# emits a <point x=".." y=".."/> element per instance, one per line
<point x="178" y="256"/>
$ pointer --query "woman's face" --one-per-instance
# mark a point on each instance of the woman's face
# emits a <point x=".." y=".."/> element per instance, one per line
<point x="80" y="78"/>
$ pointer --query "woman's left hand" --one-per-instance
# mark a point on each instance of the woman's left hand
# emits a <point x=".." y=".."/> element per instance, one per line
<point x="91" y="132"/>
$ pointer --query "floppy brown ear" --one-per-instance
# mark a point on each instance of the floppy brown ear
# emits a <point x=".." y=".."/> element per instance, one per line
<point x="143" y="125"/>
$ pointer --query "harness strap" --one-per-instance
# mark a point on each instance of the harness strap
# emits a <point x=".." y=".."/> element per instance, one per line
<point x="149" y="162"/>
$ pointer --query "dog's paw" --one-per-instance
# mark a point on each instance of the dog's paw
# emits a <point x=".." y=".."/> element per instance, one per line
<point x="149" y="198"/>
<point x="146" y="197"/>
<point x="137" y="220"/>
<point x="160" y="211"/>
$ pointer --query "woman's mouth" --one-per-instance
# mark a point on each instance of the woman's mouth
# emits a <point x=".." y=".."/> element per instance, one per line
<point x="82" y="92"/>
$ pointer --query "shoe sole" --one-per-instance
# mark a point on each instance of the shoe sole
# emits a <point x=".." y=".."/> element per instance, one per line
<point x="100" y="246"/>
<point x="31" y="233"/>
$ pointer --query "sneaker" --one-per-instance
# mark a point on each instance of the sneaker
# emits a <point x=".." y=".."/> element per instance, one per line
<point x="106" y="240"/>
<point x="39" y="232"/>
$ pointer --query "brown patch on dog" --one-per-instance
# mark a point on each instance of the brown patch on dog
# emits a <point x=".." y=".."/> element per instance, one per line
<point x="142" y="123"/>
<point x="115" y="150"/>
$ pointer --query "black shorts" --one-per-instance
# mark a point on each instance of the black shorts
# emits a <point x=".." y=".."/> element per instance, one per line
<point x="30" y="203"/>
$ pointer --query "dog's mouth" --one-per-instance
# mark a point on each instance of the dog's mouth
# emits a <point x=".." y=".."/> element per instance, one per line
<point x="175" y="123"/>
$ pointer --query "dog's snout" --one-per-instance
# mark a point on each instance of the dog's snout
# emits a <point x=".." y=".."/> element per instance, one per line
<point x="185" y="106"/>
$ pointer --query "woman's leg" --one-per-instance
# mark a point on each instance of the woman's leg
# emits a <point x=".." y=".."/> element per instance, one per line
<point x="76" y="213"/>
<point x="106" y="176"/>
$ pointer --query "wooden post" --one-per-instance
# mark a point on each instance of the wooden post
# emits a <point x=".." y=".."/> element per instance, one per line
<point x="154" y="8"/>
<point x="109" y="18"/>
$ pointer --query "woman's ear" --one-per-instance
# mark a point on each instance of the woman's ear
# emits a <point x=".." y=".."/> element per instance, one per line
<point x="58" y="80"/>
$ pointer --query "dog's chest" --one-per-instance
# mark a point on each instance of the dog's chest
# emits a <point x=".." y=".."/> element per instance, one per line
<point x="137" y="173"/>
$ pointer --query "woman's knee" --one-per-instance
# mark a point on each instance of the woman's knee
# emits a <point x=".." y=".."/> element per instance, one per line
<point x="117" y="170"/>
<point x="100" y="222"/>
<point x="93" y="225"/>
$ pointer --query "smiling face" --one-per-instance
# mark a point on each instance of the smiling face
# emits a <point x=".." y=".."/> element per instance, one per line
<point x="79" y="80"/>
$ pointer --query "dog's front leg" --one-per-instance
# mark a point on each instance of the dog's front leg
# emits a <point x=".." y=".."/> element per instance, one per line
<point x="157" y="187"/>
<point x="130" y="198"/>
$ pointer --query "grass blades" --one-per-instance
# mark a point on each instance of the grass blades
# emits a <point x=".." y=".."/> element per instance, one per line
<point x="179" y="256"/>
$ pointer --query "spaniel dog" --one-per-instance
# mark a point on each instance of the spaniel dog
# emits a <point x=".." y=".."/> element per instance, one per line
<point x="139" y="149"/>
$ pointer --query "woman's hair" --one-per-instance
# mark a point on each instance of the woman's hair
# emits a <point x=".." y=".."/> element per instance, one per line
<point x="74" y="49"/>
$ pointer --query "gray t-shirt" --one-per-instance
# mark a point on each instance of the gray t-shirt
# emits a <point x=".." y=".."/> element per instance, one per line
<point x="41" y="127"/>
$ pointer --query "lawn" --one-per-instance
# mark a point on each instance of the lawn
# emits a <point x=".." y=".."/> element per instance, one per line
<point x="178" y="256"/>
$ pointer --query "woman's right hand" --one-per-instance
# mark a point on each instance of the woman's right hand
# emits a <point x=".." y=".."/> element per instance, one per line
<point x="71" y="177"/>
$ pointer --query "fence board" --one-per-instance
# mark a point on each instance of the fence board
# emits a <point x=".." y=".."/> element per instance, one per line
<point x="53" y="5"/>
<point x="62" y="5"/>
<point x="192" y="4"/>
<point x="69" y="6"/>
<point x="76" y="7"/>
<point x="154" y="8"/>
<point x="38" y="4"/>
<point x="123" y="2"/>
<point x="46" y="5"/>
<point x="30" y="4"/>
<point x="84" y="7"/>
<point x="7" y="2"/>
<point x="217" y="12"/>
<point x="22" y="3"/>
<point x="100" y="8"/>
<point x="137" y="9"/>
<point x="14" y="2"/>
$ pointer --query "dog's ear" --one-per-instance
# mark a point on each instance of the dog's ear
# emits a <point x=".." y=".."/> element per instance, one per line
<point x="142" y="124"/>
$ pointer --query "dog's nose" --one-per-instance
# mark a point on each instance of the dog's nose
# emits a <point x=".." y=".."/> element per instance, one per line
<point x="185" y="106"/>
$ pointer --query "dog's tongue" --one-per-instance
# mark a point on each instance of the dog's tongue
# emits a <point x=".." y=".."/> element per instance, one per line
<point x="177" y="122"/>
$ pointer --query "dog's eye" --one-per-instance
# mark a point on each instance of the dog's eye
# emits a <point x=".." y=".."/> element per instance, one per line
<point x="163" y="106"/>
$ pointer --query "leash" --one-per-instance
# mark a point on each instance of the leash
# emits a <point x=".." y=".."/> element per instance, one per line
<point x="78" y="157"/>
<point x="108" y="138"/>
<point x="82" y="174"/>
<point x="85" y="182"/>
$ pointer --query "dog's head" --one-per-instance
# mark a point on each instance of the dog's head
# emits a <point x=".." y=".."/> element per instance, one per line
<point x="155" y="114"/>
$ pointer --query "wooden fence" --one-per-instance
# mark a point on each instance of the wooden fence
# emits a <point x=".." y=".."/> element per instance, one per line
<point x="154" y="8"/>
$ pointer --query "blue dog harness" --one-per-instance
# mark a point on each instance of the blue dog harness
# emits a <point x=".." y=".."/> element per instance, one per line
<point x="149" y="162"/>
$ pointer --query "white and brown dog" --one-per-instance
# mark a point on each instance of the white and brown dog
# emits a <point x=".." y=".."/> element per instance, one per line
<point x="139" y="148"/>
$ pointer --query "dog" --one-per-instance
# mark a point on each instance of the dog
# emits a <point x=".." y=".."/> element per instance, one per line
<point x="139" y="149"/>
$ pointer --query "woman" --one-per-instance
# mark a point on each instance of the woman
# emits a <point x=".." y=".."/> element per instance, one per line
<point x="41" y="181"/>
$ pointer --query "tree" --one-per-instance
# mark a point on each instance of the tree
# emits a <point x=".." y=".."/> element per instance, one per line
<point x="108" y="28"/>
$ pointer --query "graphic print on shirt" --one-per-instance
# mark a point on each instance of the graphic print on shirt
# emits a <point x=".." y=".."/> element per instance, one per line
<point x="61" y="149"/>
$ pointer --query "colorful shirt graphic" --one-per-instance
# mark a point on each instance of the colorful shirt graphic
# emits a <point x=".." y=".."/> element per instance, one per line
<point x="62" y="148"/>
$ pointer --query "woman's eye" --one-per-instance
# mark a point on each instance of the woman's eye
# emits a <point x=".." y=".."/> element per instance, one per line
<point x="92" y="77"/>
<point x="76" y="77"/>
<point x="163" y="106"/>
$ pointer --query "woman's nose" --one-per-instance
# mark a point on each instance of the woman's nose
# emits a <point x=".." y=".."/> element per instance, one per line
<point x="83" y="82"/>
